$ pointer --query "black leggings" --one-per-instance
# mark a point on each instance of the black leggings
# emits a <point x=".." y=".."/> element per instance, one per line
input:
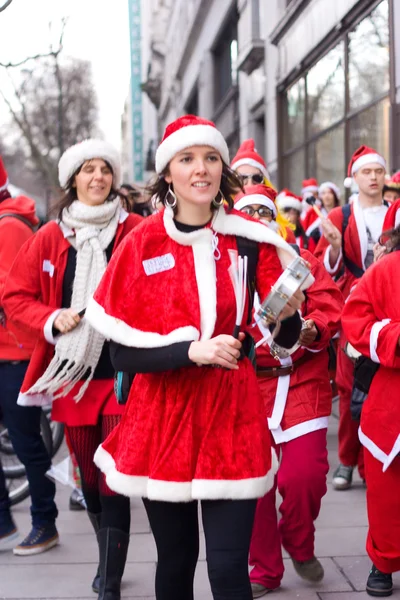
<point x="84" y="441"/>
<point x="227" y="528"/>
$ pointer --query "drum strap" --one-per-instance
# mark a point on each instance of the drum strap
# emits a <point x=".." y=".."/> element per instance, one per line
<point x="249" y="248"/>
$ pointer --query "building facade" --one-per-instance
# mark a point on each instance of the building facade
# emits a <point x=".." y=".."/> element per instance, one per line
<point x="310" y="80"/>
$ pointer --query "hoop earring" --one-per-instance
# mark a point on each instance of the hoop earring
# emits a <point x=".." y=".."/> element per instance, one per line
<point x="218" y="203"/>
<point x="174" y="202"/>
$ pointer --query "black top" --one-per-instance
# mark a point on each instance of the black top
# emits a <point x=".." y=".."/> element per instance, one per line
<point x="104" y="369"/>
<point x="175" y="356"/>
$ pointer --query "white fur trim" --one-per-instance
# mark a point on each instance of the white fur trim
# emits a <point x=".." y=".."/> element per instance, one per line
<point x="123" y="215"/>
<point x="281" y="436"/>
<point x="313" y="226"/>
<point x="34" y="399"/>
<point x="48" y="327"/>
<point x="173" y="491"/>
<point x="206" y="277"/>
<point x="378" y="453"/>
<point x="327" y="264"/>
<point x="329" y="185"/>
<point x="289" y="202"/>
<point x="361" y="229"/>
<point x="76" y="155"/>
<point x="367" y="159"/>
<point x="256" y="199"/>
<point x="397" y="218"/>
<point x="309" y="189"/>
<point x="5" y="186"/>
<point x="186" y="137"/>
<point x="373" y="339"/>
<point x="252" y="163"/>
<point x="118" y="331"/>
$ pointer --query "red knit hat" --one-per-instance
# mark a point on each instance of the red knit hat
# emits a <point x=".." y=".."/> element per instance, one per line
<point x="248" y="155"/>
<point x="361" y="157"/>
<point x="286" y="199"/>
<point x="257" y="194"/>
<point x="3" y="176"/>
<point x="185" y="132"/>
<point x="309" y="186"/>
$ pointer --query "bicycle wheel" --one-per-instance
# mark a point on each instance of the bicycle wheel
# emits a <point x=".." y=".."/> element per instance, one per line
<point x="57" y="431"/>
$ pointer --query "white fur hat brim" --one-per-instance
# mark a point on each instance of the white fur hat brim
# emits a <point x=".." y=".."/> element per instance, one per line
<point x="76" y="155"/>
<point x="289" y="202"/>
<point x="186" y="137"/>
<point x="252" y="163"/>
<point x="256" y="199"/>
<point x="329" y="185"/>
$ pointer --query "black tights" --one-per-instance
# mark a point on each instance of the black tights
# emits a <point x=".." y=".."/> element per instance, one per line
<point x="227" y="528"/>
<point x="84" y="441"/>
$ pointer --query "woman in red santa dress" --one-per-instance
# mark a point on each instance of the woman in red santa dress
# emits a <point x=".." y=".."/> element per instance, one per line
<point x="329" y="194"/>
<point x="51" y="282"/>
<point x="291" y="207"/>
<point x="298" y="398"/>
<point x="352" y="254"/>
<point x="192" y="430"/>
<point x="371" y="321"/>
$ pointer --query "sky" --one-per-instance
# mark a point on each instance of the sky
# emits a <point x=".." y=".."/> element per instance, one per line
<point x="97" y="30"/>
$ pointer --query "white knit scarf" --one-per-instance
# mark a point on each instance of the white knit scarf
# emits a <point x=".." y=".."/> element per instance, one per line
<point x="78" y="351"/>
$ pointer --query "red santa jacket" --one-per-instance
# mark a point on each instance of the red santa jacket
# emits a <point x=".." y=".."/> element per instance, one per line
<point x="392" y="218"/>
<point x="371" y="322"/>
<point x="33" y="292"/>
<point x="301" y="402"/>
<point x="312" y="227"/>
<point x="355" y="241"/>
<point x="15" y="344"/>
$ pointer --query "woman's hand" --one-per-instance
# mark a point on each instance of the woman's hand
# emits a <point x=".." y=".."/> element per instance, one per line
<point x="223" y="350"/>
<point x="66" y="320"/>
<point x="379" y="251"/>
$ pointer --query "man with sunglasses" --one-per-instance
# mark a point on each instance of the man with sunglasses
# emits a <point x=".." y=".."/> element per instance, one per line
<point x="250" y="166"/>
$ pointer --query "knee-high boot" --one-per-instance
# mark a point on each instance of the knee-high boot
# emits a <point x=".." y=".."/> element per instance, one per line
<point x="94" y="518"/>
<point x="113" y="546"/>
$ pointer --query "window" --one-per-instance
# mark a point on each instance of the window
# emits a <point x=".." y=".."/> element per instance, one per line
<point x="320" y="131"/>
<point x="225" y="62"/>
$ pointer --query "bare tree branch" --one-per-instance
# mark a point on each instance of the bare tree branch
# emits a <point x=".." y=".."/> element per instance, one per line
<point x="25" y="60"/>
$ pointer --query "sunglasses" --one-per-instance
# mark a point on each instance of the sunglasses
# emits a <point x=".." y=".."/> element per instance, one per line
<point x="255" y="178"/>
<point x="263" y="211"/>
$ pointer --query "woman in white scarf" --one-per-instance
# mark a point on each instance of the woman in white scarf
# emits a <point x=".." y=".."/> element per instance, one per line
<point x="74" y="254"/>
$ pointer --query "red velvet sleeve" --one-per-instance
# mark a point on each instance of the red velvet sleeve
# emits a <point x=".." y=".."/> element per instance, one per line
<point x="269" y="269"/>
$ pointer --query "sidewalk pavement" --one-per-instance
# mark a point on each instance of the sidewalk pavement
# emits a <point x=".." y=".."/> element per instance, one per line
<point x="67" y="571"/>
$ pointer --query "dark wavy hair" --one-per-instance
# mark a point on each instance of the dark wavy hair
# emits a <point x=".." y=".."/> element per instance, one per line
<point x="391" y="239"/>
<point x="230" y="185"/>
<point x="69" y="194"/>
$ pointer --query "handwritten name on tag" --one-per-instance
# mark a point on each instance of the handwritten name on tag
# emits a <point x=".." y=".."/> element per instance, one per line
<point x="159" y="264"/>
<point x="48" y="267"/>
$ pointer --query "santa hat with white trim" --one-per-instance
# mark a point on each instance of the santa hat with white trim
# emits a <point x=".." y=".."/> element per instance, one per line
<point x="329" y="185"/>
<point x="309" y="186"/>
<point x="257" y="194"/>
<point x="362" y="156"/>
<point x="248" y="155"/>
<point x="4" y="182"/>
<point x="287" y="199"/>
<point x="76" y="155"/>
<point x="185" y="132"/>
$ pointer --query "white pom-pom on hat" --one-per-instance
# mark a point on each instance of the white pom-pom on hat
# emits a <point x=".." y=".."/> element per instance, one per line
<point x="348" y="182"/>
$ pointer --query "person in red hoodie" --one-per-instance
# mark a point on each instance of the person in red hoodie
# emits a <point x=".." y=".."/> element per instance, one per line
<point x="298" y="399"/>
<point x="18" y="222"/>
<point x="47" y="292"/>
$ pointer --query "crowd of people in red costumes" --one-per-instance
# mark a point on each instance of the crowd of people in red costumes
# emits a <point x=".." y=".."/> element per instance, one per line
<point x="101" y="290"/>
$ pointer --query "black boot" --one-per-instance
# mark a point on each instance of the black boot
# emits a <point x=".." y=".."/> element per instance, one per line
<point x="113" y="545"/>
<point x="95" y="521"/>
<point x="379" y="584"/>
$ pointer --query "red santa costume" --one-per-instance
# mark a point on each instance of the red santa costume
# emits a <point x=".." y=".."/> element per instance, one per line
<point x="363" y="230"/>
<point x="247" y="155"/>
<point x="286" y="200"/>
<point x="297" y="398"/>
<point x="311" y="220"/>
<point x="371" y="321"/>
<point x="309" y="187"/>
<point x="189" y="433"/>
<point x="392" y="217"/>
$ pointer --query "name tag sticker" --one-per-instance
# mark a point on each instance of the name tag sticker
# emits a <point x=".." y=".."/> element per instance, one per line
<point x="48" y="267"/>
<point x="166" y="262"/>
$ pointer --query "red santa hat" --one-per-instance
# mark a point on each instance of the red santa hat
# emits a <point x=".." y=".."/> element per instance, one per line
<point x="76" y="155"/>
<point x="3" y="177"/>
<point x="248" y="155"/>
<point x="393" y="182"/>
<point x="286" y="199"/>
<point x="309" y="186"/>
<point x="185" y="132"/>
<point x="361" y="157"/>
<point x="257" y="194"/>
<point x="329" y="185"/>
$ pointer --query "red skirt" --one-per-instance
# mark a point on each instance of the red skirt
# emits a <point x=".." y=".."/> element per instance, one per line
<point x="193" y="433"/>
<point x="99" y="399"/>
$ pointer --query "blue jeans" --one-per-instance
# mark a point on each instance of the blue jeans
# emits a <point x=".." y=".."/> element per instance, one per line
<point x="23" y="424"/>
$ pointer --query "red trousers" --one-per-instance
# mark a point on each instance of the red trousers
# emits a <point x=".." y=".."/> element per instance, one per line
<point x="350" y="449"/>
<point x="301" y="481"/>
<point x="383" y="505"/>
